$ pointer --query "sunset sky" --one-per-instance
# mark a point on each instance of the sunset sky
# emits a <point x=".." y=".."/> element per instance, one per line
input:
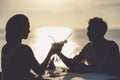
<point x="68" y="13"/>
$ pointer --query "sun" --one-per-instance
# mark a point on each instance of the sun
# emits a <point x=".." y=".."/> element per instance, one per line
<point x="45" y="36"/>
<point x="53" y="2"/>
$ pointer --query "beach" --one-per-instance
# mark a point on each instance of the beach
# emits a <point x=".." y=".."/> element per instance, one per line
<point x="59" y="74"/>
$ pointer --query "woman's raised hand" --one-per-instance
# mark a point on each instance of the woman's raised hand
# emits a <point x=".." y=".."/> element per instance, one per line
<point x="56" y="47"/>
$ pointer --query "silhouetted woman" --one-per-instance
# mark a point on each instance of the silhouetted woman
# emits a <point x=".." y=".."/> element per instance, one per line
<point x="18" y="58"/>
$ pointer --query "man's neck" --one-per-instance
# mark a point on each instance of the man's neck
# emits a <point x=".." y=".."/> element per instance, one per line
<point x="99" y="40"/>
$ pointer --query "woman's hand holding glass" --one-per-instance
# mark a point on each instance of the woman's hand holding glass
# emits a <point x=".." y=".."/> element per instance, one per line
<point x="56" y="48"/>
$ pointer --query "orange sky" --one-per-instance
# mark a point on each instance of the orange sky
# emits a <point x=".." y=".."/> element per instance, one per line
<point x="69" y="13"/>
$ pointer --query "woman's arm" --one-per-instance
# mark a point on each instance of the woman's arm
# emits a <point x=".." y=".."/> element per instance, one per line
<point x="33" y="63"/>
<point x="40" y="69"/>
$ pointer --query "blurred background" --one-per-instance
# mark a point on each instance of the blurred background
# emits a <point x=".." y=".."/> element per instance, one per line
<point x="60" y="18"/>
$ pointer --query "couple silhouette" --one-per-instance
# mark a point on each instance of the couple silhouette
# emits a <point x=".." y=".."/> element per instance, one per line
<point x="18" y="59"/>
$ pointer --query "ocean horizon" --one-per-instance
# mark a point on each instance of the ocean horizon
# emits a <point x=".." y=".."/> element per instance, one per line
<point x="76" y="42"/>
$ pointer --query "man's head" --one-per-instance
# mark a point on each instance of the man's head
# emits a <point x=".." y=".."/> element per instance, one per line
<point x="97" y="28"/>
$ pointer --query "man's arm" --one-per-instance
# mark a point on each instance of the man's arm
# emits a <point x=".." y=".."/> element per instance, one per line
<point x="66" y="61"/>
<point x="76" y="60"/>
<point x="72" y="62"/>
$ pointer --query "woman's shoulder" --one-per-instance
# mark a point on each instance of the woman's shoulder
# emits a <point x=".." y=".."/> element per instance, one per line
<point x="16" y="46"/>
<point x="21" y="48"/>
<point x="24" y="47"/>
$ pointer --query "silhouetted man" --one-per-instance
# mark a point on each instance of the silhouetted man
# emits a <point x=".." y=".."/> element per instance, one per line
<point x="100" y="54"/>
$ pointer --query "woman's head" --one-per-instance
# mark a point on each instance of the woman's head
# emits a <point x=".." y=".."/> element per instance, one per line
<point x="17" y="28"/>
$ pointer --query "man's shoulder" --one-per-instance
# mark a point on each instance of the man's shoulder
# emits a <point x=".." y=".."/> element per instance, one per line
<point x="89" y="44"/>
<point x="112" y="43"/>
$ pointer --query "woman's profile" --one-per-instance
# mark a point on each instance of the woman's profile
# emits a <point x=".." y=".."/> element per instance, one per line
<point x="18" y="58"/>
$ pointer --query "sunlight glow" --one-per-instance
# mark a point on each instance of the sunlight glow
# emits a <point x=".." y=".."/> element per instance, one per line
<point x="53" y="2"/>
<point x="43" y="41"/>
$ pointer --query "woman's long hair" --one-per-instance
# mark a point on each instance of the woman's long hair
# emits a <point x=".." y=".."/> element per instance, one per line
<point x="14" y="27"/>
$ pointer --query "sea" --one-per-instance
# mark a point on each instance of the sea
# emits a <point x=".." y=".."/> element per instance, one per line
<point x="76" y="42"/>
